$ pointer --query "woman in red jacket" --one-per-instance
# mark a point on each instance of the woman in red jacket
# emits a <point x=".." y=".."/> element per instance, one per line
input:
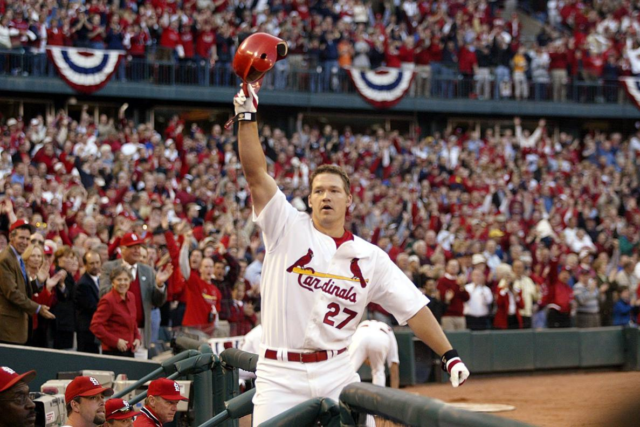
<point x="114" y="322"/>
<point x="508" y="302"/>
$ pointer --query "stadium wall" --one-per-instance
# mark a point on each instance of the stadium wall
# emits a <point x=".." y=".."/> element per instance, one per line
<point x="48" y="363"/>
<point x="485" y="352"/>
<point x="518" y="351"/>
<point x="222" y="96"/>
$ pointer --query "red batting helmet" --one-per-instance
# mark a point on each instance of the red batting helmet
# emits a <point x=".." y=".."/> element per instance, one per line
<point x="257" y="55"/>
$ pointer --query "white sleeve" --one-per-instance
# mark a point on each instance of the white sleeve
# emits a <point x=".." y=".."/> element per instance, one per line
<point x="393" y="290"/>
<point x="274" y="219"/>
<point x="392" y="356"/>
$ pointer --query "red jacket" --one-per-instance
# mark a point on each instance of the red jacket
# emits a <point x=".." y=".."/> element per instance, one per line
<point x="558" y="297"/>
<point x="500" y="321"/>
<point x="239" y="322"/>
<point x="460" y="295"/>
<point x="115" y="318"/>
<point x="147" y="419"/>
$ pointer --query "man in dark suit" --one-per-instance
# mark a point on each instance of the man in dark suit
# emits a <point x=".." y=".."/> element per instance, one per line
<point x="16" y="305"/>
<point x="86" y="301"/>
<point x="149" y="290"/>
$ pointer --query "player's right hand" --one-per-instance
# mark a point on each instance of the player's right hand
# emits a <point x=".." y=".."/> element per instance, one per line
<point x="458" y="373"/>
<point x="246" y="103"/>
<point x="452" y="365"/>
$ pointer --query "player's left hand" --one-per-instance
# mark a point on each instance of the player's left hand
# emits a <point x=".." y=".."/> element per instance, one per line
<point x="453" y="365"/>
<point x="246" y="103"/>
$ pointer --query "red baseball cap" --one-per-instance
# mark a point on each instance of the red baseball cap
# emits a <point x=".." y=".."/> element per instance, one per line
<point x="119" y="409"/>
<point x="48" y="250"/>
<point x="85" y="387"/>
<point x="21" y="223"/>
<point x="165" y="388"/>
<point x="126" y="215"/>
<point x="131" y="239"/>
<point x="9" y="377"/>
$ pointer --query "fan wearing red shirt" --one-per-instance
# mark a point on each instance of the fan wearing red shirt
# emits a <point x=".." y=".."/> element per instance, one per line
<point x="186" y="39"/>
<point x="558" y="299"/>
<point x="203" y="297"/>
<point x="55" y="36"/>
<point x="169" y="40"/>
<point x="559" y="76"/>
<point x="453" y="319"/>
<point x="467" y="63"/>
<point x="205" y="42"/>
<point x="242" y="316"/>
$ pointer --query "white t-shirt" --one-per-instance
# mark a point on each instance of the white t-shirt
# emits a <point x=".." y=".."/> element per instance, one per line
<point x="311" y="298"/>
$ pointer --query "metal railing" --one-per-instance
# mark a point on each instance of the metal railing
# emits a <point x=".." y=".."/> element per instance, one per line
<point x="441" y="83"/>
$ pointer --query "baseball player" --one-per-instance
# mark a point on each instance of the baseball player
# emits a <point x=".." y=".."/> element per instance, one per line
<point x="375" y="341"/>
<point x="318" y="277"/>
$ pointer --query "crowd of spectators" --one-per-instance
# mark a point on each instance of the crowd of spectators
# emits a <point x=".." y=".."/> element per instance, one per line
<point x="456" y="48"/>
<point x="503" y="227"/>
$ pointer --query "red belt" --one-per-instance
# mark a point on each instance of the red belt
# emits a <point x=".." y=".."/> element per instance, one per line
<point x="318" y="356"/>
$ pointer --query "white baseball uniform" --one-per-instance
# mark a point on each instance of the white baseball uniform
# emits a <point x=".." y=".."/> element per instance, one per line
<point x="313" y="297"/>
<point x="376" y="341"/>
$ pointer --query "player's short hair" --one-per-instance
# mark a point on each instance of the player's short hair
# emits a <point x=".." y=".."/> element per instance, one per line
<point x="335" y="170"/>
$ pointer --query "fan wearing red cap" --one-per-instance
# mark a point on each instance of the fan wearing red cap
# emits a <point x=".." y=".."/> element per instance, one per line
<point x="120" y="413"/>
<point x="85" y="402"/>
<point x="16" y="407"/>
<point x="15" y="287"/>
<point x="161" y="404"/>
<point x="148" y="288"/>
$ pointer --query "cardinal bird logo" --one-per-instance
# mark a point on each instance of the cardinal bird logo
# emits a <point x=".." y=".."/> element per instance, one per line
<point x="302" y="261"/>
<point x="357" y="274"/>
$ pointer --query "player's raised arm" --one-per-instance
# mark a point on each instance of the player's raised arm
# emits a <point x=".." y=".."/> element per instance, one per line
<point x="252" y="158"/>
<point x="256" y="55"/>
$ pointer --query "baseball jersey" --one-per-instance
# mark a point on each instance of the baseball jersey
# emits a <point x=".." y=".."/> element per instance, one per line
<point x="315" y="294"/>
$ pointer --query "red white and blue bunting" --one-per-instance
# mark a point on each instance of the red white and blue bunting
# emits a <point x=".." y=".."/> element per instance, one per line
<point x="85" y="70"/>
<point x="632" y="86"/>
<point x="384" y="87"/>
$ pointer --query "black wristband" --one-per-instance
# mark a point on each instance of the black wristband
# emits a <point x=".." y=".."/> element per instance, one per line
<point x="245" y="117"/>
<point x="451" y="354"/>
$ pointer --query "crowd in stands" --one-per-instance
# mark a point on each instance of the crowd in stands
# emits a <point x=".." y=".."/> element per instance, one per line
<point x="501" y="228"/>
<point x="456" y="48"/>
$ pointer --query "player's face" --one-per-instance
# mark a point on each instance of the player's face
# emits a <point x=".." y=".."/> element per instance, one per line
<point x="165" y="409"/>
<point x="329" y="200"/>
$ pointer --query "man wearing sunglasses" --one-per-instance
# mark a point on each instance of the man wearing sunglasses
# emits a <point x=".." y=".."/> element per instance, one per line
<point x="85" y="402"/>
<point x="119" y="413"/>
<point x="161" y="404"/>
<point x="16" y="407"/>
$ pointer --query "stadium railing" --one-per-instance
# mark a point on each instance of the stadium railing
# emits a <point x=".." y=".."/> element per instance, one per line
<point x="199" y="73"/>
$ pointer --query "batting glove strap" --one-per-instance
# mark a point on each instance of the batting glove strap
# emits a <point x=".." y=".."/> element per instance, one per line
<point x="245" y="117"/>
<point x="448" y="360"/>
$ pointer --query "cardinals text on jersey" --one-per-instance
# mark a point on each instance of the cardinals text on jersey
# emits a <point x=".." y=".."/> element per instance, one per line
<point x="314" y="294"/>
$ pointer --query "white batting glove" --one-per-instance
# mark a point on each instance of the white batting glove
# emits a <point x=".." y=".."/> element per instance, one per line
<point x="246" y="105"/>
<point x="452" y="365"/>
